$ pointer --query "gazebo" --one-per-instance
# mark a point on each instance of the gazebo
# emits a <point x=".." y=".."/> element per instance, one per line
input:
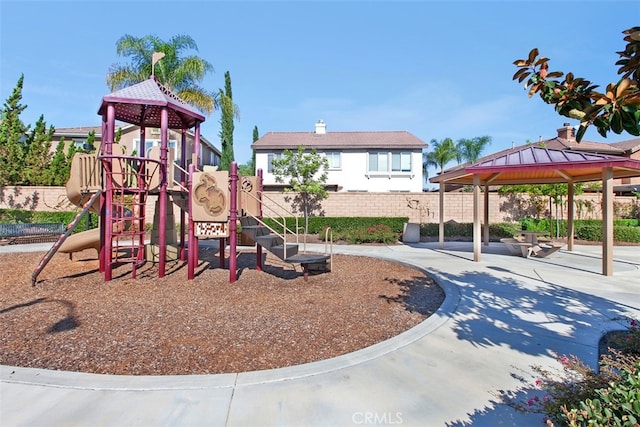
<point x="539" y="165"/>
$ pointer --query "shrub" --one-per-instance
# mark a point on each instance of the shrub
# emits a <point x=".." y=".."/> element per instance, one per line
<point x="617" y="404"/>
<point x="378" y="233"/>
<point x="564" y="388"/>
<point x="579" y="396"/>
<point x="317" y="224"/>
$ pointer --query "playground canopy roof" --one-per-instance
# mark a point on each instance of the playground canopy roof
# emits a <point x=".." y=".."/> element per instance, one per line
<point x="142" y="103"/>
<point x="539" y="165"/>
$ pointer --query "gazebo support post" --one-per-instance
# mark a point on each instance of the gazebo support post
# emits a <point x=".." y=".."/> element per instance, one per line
<point x="441" y="225"/>
<point x="476" y="218"/>
<point x="607" y="221"/>
<point x="486" y="215"/>
<point x="570" y="215"/>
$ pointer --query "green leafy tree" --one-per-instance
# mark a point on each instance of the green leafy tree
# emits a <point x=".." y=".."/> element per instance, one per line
<point x="89" y="145"/>
<point x="306" y="175"/>
<point x="443" y="152"/>
<point x="617" y="109"/>
<point x="470" y="150"/>
<point x="12" y="135"/>
<point x="180" y="74"/>
<point x="38" y="154"/>
<point x="249" y="168"/>
<point x="56" y="170"/>
<point x="229" y="112"/>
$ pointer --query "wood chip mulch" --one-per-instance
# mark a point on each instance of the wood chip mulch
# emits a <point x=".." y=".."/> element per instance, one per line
<point x="75" y="321"/>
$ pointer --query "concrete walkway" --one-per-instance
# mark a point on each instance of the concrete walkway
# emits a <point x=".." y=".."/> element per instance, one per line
<point x="500" y="317"/>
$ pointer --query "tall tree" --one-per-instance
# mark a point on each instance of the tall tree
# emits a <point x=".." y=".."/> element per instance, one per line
<point x="469" y="150"/>
<point x="180" y="74"/>
<point x="38" y="154"/>
<point x="12" y="134"/>
<point x="229" y="111"/>
<point x="443" y="152"/>
<point x="249" y="168"/>
<point x="306" y="175"/>
<point x="256" y="136"/>
<point x="616" y="110"/>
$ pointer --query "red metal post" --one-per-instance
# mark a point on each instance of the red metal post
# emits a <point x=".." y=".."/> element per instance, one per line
<point x="258" y="247"/>
<point x="162" y="198"/>
<point x="233" y="217"/>
<point x="223" y="245"/>
<point x="103" y="217"/>
<point x="183" y="179"/>
<point x="108" y="232"/>
<point x="191" y="232"/>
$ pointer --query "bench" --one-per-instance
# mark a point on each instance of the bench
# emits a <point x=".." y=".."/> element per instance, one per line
<point x="543" y="250"/>
<point x="14" y="234"/>
<point x="518" y="247"/>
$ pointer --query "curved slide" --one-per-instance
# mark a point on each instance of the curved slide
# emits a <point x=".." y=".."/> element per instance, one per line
<point x="80" y="241"/>
<point x="85" y="239"/>
<point x="89" y="200"/>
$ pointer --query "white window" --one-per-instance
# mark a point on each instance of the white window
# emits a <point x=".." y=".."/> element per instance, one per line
<point x="401" y="162"/>
<point x="378" y="162"/>
<point x="333" y="157"/>
<point x="79" y="143"/>
<point x="148" y="143"/>
<point x="390" y="162"/>
<point x="270" y="158"/>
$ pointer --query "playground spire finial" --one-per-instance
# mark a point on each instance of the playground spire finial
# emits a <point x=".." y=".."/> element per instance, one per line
<point x="157" y="56"/>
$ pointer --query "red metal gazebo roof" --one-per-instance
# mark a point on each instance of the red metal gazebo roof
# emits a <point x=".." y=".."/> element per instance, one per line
<point x="539" y="165"/>
<point x="141" y="104"/>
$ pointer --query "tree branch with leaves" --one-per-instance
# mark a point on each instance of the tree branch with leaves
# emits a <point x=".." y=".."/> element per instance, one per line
<point x="616" y="110"/>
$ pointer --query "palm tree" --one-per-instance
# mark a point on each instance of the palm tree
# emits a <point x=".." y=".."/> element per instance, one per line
<point x="181" y="75"/>
<point x="443" y="152"/>
<point x="469" y="150"/>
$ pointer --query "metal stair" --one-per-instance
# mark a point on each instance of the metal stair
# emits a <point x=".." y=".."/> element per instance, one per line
<point x="257" y="231"/>
<point x="265" y="237"/>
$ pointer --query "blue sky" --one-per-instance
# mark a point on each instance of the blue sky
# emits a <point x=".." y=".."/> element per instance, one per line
<point x="437" y="69"/>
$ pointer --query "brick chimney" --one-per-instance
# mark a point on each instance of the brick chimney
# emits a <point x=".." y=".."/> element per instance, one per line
<point x="567" y="132"/>
<point x="321" y="127"/>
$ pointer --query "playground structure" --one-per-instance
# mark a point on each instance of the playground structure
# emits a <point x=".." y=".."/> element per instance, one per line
<point x="117" y="187"/>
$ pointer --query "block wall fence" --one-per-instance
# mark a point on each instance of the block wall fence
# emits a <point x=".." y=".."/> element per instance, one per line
<point x="458" y="205"/>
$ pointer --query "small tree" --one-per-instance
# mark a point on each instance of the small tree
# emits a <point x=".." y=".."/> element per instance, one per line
<point x="616" y="110"/>
<point x="307" y="174"/>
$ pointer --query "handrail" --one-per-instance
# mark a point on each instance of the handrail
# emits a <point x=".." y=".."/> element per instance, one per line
<point x="326" y="238"/>
<point x="282" y="224"/>
<point x="175" y="182"/>
<point x="129" y="170"/>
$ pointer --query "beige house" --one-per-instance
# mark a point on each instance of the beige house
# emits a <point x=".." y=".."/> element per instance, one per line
<point x="130" y="139"/>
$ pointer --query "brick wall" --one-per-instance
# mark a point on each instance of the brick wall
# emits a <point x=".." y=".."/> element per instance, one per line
<point x="458" y="206"/>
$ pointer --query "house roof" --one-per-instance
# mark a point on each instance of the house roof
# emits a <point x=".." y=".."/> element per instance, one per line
<point x="572" y="144"/>
<point x="339" y="140"/>
<point x="83" y="131"/>
<point x="630" y="146"/>
<point x="143" y="103"/>
<point x="533" y="164"/>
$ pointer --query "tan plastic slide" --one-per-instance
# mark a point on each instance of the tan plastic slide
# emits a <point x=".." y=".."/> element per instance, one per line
<point x="80" y="166"/>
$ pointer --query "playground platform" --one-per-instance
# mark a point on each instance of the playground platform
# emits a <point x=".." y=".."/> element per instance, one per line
<point x="501" y="316"/>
